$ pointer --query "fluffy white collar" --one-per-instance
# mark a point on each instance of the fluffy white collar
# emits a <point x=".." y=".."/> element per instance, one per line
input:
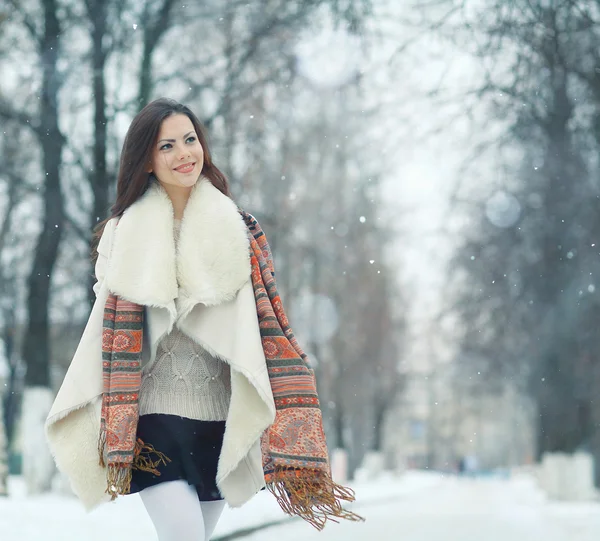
<point x="210" y="265"/>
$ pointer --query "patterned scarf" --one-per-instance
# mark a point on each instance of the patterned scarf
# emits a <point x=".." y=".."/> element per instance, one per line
<point x="294" y="451"/>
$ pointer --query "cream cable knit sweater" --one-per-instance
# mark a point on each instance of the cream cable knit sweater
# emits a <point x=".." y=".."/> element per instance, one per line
<point x="185" y="379"/>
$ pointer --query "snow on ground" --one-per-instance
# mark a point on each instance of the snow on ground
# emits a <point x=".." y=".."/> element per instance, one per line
<point x="417" y="506"/>
<point x="460" y="510"/>
<point x="52" y="517"/>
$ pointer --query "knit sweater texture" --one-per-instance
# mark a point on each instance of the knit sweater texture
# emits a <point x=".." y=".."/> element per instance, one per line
<point x="185" y="379"/>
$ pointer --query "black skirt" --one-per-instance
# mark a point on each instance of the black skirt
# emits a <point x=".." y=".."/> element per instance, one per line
<point x="193" y="447"/>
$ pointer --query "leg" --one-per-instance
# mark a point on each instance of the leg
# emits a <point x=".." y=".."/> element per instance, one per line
<point x="175" y="511"/>
<point x="211" y="511"/>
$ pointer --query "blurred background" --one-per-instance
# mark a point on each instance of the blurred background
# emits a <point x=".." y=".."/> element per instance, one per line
<point x="444" y="153"/>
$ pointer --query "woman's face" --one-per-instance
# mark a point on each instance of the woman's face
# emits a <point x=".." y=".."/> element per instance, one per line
<point x="177" y="156"/>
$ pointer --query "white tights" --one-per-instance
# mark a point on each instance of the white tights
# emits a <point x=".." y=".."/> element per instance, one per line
<point x="178" y="514"/>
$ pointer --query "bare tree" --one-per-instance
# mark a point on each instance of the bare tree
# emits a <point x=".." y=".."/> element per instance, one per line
<point x="45" y="33"/>
<point x="523" y="288"/>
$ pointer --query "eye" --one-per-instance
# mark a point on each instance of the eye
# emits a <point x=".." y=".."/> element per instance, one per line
<point x="190" y="139"/>
<point x="166" y="146"/>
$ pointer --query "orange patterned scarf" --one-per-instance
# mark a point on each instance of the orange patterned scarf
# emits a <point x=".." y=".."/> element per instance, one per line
<point x="295" y="458"/>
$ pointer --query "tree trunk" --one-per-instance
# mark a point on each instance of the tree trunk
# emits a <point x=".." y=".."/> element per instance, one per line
<point x="99" y="180"/>
<point x="36" y="350"/>
<point x="9" y="294"/>
<point x="379" y="419"/>
<point x="3" y="456"/>
<point x="13" y="385"/>
<point x="153" y="31"/>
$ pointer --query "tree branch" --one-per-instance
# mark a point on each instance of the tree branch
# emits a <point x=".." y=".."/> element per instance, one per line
<point x="8" y="113"/>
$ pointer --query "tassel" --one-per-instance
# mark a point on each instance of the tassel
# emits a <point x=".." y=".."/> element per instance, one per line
<point x="119" y="480"/>
<point x="102" y="435"/>
<point x="313" y="496"/>
<point x="119" y="474"/>
<point x="102" y="447"/>
<point x="141" y="458"/>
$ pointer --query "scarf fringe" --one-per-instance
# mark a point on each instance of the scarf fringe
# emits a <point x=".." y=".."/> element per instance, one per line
<point x="142" y="460"/>
<point x="102" y="447"/>
<point x="119" y="474"/>
<point x="313" y="496"/>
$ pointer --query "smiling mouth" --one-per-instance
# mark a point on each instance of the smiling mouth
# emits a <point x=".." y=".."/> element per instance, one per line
<point x="186" y="167"/>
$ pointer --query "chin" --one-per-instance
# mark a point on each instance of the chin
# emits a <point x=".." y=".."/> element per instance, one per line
<point x="191" y="182"/>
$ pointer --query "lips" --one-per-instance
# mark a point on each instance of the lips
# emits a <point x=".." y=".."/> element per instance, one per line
<point x="186" y="167"/>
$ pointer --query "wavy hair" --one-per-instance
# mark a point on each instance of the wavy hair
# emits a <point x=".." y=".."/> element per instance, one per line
<point x="133" y="179"/>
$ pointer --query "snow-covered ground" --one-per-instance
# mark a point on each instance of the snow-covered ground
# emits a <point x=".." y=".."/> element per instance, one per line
<point x="52" y="517"/>
<point x="460" y="510"/>
<point x="414" y="507"/>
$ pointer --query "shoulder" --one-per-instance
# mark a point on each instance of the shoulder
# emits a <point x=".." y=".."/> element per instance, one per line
<point x="107" y="236"/>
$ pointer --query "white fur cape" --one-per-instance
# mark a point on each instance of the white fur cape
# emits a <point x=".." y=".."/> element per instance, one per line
<point x="214" y="305"/>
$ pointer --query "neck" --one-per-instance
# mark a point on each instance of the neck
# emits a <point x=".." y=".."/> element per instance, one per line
<point x="179" y="196"/>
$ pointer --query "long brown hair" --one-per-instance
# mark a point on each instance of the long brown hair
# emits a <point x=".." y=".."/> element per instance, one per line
<point x="133" y="179"/>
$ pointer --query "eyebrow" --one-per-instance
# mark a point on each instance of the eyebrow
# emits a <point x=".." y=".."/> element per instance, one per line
<point x="173" y="140"/>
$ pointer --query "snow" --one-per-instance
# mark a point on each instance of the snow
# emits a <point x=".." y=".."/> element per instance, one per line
<point x="38" y="464"/>
<point x="54" y="517"/>
<point x="460" y="510"/>
<point x="416" y="506"/>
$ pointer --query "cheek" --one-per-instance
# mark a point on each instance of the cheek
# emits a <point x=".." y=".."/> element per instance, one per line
<point x="156" y="161"/>
<point x="161" y="163"/>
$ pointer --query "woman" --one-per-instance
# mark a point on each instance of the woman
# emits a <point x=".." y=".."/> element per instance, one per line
<point x="188" y="385"/>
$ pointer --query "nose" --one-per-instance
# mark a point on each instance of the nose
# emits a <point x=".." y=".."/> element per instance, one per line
<point x="183" y="153"/>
